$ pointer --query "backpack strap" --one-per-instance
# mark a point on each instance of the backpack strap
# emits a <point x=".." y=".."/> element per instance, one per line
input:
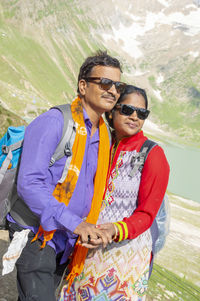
<point x="5" y="165"/>
<point x="138" y="160"/>
<point x="147" y="147"/>
<point x="7" y="150"/>
<point x="12" y="147"/>
<point x="69" y="130"/>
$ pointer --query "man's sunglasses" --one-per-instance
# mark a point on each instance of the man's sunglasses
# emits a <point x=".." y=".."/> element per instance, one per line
<point x="128" y="111"/>
<point x="106" y="83"/>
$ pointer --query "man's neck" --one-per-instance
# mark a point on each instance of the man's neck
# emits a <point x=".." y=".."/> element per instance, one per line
<point x="93" y="116"/>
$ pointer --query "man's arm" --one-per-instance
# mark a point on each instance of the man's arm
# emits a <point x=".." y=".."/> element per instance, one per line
<point x="35" y="185"/>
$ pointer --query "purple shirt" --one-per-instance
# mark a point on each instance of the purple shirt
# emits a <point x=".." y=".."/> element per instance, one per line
<point x="36" y="181"/>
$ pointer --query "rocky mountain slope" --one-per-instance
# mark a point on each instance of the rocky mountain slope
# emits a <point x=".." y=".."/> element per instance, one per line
<point x="43" y="43"/>
<point x="159" y="43"/>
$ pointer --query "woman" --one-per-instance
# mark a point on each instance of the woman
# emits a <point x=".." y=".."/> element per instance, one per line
<point x="131" y="202"/>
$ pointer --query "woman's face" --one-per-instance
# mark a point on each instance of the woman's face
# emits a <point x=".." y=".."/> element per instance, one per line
<point x="126" y="126"/>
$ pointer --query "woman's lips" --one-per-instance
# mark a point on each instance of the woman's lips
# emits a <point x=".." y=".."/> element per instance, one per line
<point x="132" y="125"/>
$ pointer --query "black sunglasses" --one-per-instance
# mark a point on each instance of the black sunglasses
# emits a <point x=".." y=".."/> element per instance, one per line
<point x="128" y="111"/>
<point x="106" y="83"/>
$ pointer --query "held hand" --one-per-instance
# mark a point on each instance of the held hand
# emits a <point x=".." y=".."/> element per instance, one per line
<point x="109" y="228"/>
<point x="92" y="244"/>
<point x="90" y="235"/>
<point x="108" y="232"/>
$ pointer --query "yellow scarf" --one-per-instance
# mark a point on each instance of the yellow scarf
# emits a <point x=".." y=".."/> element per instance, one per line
<point x="63" y="191"/>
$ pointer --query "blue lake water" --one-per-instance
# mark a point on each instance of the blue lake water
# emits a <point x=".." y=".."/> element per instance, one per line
<point x="184" y="171"/>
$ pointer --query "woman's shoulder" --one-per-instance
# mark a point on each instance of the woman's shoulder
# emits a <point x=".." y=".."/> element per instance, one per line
<point x="156" y="158"/>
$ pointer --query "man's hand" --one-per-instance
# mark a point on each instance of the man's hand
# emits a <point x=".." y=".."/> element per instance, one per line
<point x="90" y="236"/>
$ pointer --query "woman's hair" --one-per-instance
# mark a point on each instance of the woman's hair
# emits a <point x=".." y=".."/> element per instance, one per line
<point x="100" y="58"/>
<point x="129" y="89"/>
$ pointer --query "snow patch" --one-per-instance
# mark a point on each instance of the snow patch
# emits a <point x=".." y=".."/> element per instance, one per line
<point x="194" y="53"/>
<point x="139" y="73"/>
<point x="189" y="24"/>
<point x="164" y="2"/>
<point x="190" y="6"/>
<point x="158" y="94"/>
<point x="159" y="79"/>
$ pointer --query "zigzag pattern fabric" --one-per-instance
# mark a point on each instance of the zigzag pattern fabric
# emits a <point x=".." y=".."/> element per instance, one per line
<point x="120" y="272"/>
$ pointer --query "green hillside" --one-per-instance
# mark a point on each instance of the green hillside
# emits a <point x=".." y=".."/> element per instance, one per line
<point x="39" y="62"/>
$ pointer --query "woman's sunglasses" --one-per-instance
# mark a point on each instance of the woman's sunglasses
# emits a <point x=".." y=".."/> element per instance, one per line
<point x="106" y="83"/>
<point x="128" y="111"/>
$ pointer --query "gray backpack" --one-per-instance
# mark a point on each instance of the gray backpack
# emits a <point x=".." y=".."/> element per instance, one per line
<point x="11" y="146"/>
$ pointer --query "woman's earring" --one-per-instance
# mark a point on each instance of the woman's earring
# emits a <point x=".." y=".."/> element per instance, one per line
<point x="110" y="116"/>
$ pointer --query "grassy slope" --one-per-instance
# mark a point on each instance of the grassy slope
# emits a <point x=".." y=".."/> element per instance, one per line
<point x="31" y="72"/>
<point x="165" y="285"/>
<point x="35" y="72"/>
<point x="7" y="119"/>
<point x="176" y="273"/>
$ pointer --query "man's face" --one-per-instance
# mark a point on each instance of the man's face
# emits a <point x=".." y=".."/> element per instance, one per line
<point x="96" y="98"/>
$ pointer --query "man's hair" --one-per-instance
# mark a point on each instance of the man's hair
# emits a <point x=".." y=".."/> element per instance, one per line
<point x="129" y="89"/>
<point x="100" y="58"/>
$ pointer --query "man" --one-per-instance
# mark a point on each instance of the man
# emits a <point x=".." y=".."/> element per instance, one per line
<point x="63" y="207"/>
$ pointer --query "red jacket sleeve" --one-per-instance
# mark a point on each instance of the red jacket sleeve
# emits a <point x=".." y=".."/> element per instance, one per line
<point x="154" y="180"/>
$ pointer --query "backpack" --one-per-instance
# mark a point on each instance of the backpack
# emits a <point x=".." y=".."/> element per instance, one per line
<point x="160" y="227"/>
<point x="10" y="151"/>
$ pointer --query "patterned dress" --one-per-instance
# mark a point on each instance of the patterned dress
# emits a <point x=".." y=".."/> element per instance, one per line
<point x="119" y="272"/>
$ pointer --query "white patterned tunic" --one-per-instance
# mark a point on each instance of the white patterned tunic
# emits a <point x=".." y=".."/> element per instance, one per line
<point x="119" y="272"/>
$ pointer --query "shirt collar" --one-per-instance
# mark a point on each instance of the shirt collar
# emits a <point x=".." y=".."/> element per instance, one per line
<point x="88" y="125"/>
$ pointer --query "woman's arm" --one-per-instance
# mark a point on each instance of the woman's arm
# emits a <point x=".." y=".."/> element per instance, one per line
<point x="153" y="185"/>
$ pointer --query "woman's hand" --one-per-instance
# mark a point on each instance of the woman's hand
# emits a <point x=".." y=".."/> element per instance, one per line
<point x="108" y="231"/>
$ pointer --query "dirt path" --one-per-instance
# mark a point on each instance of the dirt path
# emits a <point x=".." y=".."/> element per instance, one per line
<point x="8" y="290"/>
